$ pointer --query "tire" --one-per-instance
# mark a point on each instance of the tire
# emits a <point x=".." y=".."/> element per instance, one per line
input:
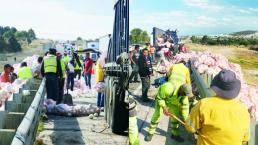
<point x="120" y="115"/>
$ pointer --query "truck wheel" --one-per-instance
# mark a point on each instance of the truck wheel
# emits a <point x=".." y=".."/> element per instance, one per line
<point x="120" y="114"/>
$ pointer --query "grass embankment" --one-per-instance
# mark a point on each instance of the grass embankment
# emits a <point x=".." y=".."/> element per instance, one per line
<point x="39" y="130"/>
<point x="247" y="59"/>
<point x="27" y="50"/>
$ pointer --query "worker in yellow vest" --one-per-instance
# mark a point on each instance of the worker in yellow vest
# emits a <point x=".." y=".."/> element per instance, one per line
<point x="180" y="73"/>
<point x="78" y="68"/>
<point x="52" y="71"/>
<point x="65" y="58"/>
<point x="133" y="128"/>
<point x="62" y="79"/>
<point x="171" y="98"/>
<point x="25" y="72"/>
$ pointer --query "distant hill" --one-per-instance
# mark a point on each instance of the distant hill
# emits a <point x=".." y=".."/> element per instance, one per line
<point x="246" y="34"/>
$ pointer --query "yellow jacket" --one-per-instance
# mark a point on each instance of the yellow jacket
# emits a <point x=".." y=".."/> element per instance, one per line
<point x="99" y="71"/>
<point x="180" y="73"/>
<point x="219" y="122"/>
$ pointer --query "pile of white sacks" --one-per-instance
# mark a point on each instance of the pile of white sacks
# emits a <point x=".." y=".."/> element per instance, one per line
<point x="66" y="110"/>
<point x="210" y="63"/>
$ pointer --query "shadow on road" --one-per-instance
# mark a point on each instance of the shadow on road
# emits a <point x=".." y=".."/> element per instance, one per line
<point x="66" y="130"/>
<point x="138" y="98"/>
<point x="144" y="126"/>
<point x="189" y="138"/>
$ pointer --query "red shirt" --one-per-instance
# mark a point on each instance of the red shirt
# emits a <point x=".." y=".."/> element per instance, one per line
<point x="87" y="65"/>
<point x="5" y="77"/>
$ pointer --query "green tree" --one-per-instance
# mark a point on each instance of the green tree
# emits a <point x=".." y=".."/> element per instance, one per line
<point x="1" y="30"/>
<point x="204" y="39"/>
<point x="138" y="36"/>
<point x="21" y="35"/>
<point x="3" y="45"/>
<point x="79" y="38"/>
<point x="145" y="37"/>
<point x="7" y="28"/>
<point x="31" y="34"/>
<point x="7" y="35"/>
<point x="194" y="39"/>
<point x="13" y="45"/>
<point x="13" y="30"/>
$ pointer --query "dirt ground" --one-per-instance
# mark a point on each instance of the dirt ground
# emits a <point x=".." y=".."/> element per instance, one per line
<point x="247" y="59"/>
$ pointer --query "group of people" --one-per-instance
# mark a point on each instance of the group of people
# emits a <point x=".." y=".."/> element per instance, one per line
<point x="217" y="120"/>
<point x="58" y="69"/>
<point x="25" y="72"/>
<point x="141" y="62"/>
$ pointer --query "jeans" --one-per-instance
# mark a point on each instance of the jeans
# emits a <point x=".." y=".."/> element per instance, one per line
<point x="61" y="90"/>
<point x="52" y="86"/>
<point x="134" y="73"/>
<point x="70" y="81"/>
<point x="145" y="87"/>
<point x="100" y="99"/>
<point x="152" y="57"/>
<point x="87" y="78"/>
<point x="77" y="72"/>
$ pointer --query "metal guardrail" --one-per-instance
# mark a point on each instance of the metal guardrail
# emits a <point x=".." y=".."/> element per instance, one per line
<point x="26" y="132"/>
<point x="203" y="83"/>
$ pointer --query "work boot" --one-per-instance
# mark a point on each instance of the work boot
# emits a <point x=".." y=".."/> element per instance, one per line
<point x="177" y="138"/>
<point x="148" y="137"/>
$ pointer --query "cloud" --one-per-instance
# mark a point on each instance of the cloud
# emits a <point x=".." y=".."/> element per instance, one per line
<point x="248" y="10"/>
<point x="53" y="19"/>
<point x="203" y="4"/>
<point x="194" y="23"/>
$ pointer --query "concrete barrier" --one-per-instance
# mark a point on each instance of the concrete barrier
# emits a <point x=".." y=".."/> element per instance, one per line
<point x="15" y="110"/>
<point x="26" y="132"/>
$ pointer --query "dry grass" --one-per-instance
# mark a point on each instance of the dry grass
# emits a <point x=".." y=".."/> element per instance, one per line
<point x="28" y="50"/>
<point x="247" y="59"/>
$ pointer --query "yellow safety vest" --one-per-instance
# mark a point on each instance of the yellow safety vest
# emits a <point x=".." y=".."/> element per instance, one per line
<point x="50" y="64"/>
<point x="168" y="94"/>
<point x="65" y="59"/>
<point x="25" y="73"/>
<point x="179" y="74"/>
<point x="77" y="67"/>
<point x="63" y="67"/>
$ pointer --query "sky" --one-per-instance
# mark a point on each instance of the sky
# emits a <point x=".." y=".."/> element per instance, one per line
<point x="90" y="19"/>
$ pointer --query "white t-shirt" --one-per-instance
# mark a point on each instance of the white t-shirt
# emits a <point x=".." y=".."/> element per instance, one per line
<point x="70" y="67"/>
